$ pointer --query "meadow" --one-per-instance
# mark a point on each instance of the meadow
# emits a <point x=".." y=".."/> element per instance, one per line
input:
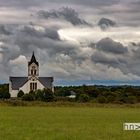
<point x="67" y="123"/>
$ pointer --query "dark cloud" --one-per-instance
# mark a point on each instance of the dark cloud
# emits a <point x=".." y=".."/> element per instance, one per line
<point x="127" y="61"/>
<point x="109" y="52"/>
<point x="65" y="13"/>
<point x="63" y="59"/>
<point x="105" y="23"/>
<point x="105" y="59"/>
<point x="67" y="58"/>
<point x="47" y="32"/>
<point x="109" y="46"/>
<point x="31" y="38"/>
<point x="126" y="13"/>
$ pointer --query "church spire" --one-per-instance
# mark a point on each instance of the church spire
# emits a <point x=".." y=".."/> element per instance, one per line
<point x="33" y="60"/>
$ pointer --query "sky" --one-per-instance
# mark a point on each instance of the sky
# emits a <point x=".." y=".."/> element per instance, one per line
<point x="75" y="41"/>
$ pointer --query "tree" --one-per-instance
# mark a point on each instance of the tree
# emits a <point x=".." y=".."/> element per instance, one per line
<point x="4" y="93"/>
<point x="130" y="100"/>
<point x="101" y="99"/>
<point x="83" y="98"/>
<point x="20" y="93"/>
<point x="28" y="97"/>
<point x="39" y="95"/>
<point x="48" y="95"/>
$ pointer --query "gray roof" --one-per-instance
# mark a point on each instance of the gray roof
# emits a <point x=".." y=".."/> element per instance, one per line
<point x="17" y="82"/>
<point x="46" y="81"/>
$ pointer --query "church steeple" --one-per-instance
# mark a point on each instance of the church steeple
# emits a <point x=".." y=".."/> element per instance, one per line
<point x="33" y="67"/>
<point x="33" y="60"/>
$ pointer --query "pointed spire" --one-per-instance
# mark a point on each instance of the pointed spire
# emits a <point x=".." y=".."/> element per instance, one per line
<point x="33" y="60"/>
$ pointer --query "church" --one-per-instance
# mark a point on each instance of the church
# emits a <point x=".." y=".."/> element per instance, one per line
<point x="32" y="82"/>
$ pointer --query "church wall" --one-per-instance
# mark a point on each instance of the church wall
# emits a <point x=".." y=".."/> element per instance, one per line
<point x="26" y="87"/>
<point x="39" y="85"/>
<point x="14" y="93"/>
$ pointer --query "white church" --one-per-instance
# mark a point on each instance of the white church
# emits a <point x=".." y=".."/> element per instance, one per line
<point x="32" y="82"/>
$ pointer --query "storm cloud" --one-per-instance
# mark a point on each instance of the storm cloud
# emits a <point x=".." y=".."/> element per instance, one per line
<point x="67" y="40"/>
<point x="110" y="46"/>
<point x="65" y="13"/>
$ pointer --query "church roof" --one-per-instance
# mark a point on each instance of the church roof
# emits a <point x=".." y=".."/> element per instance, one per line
<point x="33" y="60"/>
<point x="17" y="82"/>
<point x="46" y="81"/>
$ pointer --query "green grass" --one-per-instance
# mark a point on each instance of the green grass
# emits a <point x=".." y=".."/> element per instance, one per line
<point x="67" y="123"/>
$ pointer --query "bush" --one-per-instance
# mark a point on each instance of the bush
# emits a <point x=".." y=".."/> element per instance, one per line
<point x="83" y="98"/>
<point x="20" y="93"/>
<point x="4" y="95"/>
<point x="130" y="100"/>
<point x="28" y="97"/>
<point x="110" y="99"/>
<point x="101" y="99"/>
<point x="1" y="95"/>
<point x="39" y="95"/>
<point x="48" y="95"/>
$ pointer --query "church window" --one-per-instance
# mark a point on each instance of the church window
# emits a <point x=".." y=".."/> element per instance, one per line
<point x="31" y="72"/>
<point x="34" y="72"/>
<point x="33" y="86"/>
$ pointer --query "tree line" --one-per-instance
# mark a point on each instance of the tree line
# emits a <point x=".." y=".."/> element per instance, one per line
<point x="84" y="93"/>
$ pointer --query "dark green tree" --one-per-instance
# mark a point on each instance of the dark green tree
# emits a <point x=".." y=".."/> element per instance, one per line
<point x="20" y="93"/>
<point x="48" y="95"/>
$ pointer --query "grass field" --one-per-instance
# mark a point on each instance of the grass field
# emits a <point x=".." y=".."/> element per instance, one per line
<point x="67" y="123"/>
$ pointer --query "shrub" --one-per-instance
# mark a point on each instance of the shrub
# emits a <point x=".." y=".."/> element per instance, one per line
<point x="130" y="99"/>
<point x="20" y="93"/>
<point x="1" y="95"/>
<point x="28" y="97"/>
<point x="101" y="99"/>
<point x="39" y="95"/>
<point x="83" y="98"/>
<point x="48" y="95"/>
<point x="4" y="95"/>
<point x="110" y="99"/>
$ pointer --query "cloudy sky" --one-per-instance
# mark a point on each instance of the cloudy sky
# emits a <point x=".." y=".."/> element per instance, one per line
<point x="76" y="41"/>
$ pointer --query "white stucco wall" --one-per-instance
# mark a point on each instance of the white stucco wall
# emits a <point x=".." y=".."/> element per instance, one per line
<point x="26" y="87"/>
<point x="14" y="93"/>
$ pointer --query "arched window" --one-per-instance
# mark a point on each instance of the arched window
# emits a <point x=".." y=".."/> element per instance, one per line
<point x="34" y="72"/>
<point x="31" y="72"/>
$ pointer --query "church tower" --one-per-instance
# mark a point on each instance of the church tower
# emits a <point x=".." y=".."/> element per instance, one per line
<point x="33" y="68"/>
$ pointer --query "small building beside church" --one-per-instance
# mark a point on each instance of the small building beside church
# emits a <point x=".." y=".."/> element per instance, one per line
<point x="32" y="82"/>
